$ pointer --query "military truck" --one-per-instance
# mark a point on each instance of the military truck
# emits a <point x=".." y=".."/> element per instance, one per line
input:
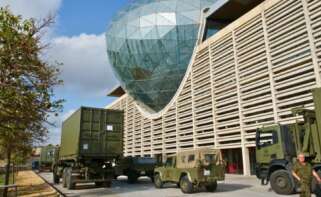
<point x="278" y="145"/>
<point x="46" y="157"/>
<point x="91" y="141"/>
<point x="192" y="169"/>
<point x="134" y="167"/>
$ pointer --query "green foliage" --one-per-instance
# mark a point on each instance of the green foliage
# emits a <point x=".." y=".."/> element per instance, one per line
<point x="26" y="85"/>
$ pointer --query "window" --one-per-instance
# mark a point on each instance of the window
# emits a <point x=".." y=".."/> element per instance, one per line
<point x="209" y="158"/>
<point x="268" y="138"/>
<point x="191" y="158"/>
<point x="169" y="162"/>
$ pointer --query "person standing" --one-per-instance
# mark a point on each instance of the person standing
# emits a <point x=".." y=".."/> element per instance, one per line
<point x="303" y="172"/>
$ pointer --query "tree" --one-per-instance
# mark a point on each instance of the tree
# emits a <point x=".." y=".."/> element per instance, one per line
<point x="27" y="85"/>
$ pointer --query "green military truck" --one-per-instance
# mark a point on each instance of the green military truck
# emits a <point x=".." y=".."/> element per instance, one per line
<point x="134" y="167"/>
<point x="278" y="145"/>
<point x="192" y="169"/>
<point x="91" y="141"/>
<point x="46" y="157"/>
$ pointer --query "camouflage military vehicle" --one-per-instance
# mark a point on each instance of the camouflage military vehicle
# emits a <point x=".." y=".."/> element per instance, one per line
<point x="192" y="169"/>
<point x="277" y="147"/>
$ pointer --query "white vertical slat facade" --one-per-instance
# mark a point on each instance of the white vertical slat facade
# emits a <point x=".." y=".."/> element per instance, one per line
<point x="250" y="74"/>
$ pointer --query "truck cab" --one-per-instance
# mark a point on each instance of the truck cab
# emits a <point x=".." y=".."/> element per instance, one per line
<point x="278" y="145"/>
<point x="192" y="169"/>
<point x="275" y="151"/>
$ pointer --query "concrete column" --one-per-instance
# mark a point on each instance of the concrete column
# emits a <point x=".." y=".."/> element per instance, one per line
<point x="246" y="161"/>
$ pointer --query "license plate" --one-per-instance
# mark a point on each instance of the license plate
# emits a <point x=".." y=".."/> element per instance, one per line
<point x="143" y="173"/>
<point x="207" y="172"/>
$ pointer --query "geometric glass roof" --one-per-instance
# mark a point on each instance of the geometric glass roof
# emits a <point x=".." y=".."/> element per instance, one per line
<point x="150" y="44"/>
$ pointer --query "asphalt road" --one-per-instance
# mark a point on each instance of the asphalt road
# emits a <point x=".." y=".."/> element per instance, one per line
<point x="231" y="187"/>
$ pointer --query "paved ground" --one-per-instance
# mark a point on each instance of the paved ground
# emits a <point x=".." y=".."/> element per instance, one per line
<point x="231" y="187"/>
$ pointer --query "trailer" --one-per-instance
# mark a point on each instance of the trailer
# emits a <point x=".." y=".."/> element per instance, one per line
<point x="91" y="142"/>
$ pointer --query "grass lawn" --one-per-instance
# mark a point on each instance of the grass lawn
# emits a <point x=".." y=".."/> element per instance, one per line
<point x="2" y="179"/>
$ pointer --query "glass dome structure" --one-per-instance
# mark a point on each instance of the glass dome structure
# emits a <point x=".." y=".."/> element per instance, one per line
<point x="150" y="44"/>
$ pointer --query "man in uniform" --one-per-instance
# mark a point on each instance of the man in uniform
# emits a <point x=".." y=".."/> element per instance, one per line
<point x="304" y="172"/>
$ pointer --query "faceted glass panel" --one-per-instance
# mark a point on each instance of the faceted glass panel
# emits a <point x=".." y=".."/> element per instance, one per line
<point x="150" y="44"/>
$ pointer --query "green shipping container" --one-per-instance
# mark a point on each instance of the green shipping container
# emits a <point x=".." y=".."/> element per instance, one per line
<point x="92" y="133"/>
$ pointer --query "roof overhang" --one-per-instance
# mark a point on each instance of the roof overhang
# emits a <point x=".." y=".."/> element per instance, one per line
<point x="117" y="91"/>
<point x="230" y="10"/>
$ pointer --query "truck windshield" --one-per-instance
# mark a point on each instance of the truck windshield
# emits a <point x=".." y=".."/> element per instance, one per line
<point x="145" y="161"/>
<point x="209" y="158"/>
<point x="268" y="138"/>
<point x="169" y="162"/>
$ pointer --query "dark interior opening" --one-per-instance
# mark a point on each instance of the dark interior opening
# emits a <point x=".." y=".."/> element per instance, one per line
<point x="229" y="12"/>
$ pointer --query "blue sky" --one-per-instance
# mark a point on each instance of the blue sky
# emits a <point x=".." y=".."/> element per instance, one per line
<point x="77" y="40"/>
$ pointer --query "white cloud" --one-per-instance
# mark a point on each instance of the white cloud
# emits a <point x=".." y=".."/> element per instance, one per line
<point x="32" y="8"/>
<point x="85" y="69"/>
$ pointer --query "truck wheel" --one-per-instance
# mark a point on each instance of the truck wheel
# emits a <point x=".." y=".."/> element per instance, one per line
<point x="281" y="183"/>
<point x="158" y="181"/>
<point x="64" y="175"/>
<point x="315" y="187"/>
<point x="69" y="179"/>
<point x="186" y="186"/>
<point x="211" y="187"/>
<point x="56" y="178"/>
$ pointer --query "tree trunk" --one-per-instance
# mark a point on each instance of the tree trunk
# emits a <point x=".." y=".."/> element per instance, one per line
<point x="7" y="172"/>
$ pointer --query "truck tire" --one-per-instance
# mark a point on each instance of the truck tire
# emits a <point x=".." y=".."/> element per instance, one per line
<point x="315" y="187"/>
<point x="186" y="186"/>
<point x="56" y="178"/>
<point x="64" y="181"/>
<point x="211" y="187"/>
<point x="158" y="181"/>
<point x="281" y="183"/>
<point x="69" y="179"/>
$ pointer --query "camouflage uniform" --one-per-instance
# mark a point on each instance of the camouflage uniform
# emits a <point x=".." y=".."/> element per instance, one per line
<point x="305" y="174"/>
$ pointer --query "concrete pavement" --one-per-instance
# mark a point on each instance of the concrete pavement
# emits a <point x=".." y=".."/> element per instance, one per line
<point x="234" y="185"/>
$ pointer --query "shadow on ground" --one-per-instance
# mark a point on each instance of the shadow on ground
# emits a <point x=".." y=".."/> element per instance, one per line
<point x="229" y="187"/>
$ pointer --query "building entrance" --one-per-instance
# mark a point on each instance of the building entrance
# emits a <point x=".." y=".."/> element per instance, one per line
<point x="234" y="162"/>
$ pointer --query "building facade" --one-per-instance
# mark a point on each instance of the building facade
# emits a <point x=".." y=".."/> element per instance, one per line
<point x="249" y="74"/>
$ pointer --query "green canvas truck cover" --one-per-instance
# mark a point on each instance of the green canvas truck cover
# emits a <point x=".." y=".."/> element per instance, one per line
<point x="92" y="133"/>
